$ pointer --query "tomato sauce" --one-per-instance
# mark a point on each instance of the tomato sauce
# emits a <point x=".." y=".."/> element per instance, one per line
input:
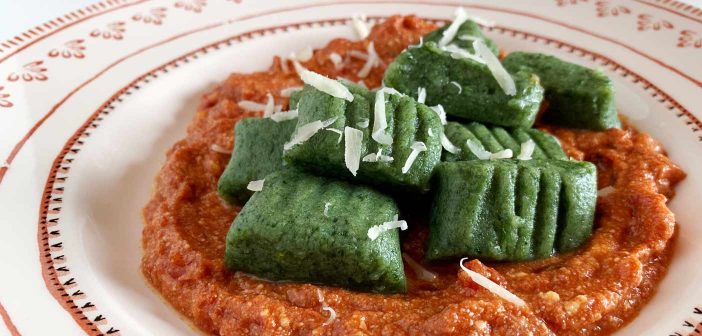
<point x="592" y="291"/>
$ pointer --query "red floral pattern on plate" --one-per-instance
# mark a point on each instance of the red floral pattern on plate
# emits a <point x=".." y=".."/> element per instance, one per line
<point x="689" y="38"/>
<point x="647" y="22"/>
<point x="191" y="5"/>
<point x="72" y="48"/>
<point x="154" y="16"/>
<point x="569" y="2"/>
<point x="4" y="98"/>
<point x="114" y="30"/>
<point x="29" y="72"/>
<point x="604" y="8"/>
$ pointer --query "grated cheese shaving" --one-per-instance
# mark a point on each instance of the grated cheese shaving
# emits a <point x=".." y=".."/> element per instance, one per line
<point x="329" y="121"/>
<point x="358" y="54"/>
<point x="478" y="150"/>
<point x="326" y="209"/>
<point x="417" y="148"/>
<point x="467" y="37"/>
<point x="286" y="92"/>
<point x="378" y="157"/>
<point x="372" y="61"/>
<point x="526" y="150"/>
<point x="303" y="134"/>
<point x="504" y="79"/>
<point x="460" y="88"/>
<point x="606" y="191"/>
<point x="447" y="36"/>
<point x="379" y="117"/>
<point x="336" y="60"/>
<point x="298" y="67"/>
<point x="375" y="231"/>
<point x="503" y="154"/>
<point x="339" y="132"/>
<point x="325" y="307"/>
<point x="419" y="270"/>
<point x="219" y="149"/>
<point x="255" y="185"/>
<point x="325" y="84"/>
<point x="488" y="284"/>
<point x="283" y="116"/>
<point x="363" y="123"/>
<point x="448" y="145"/>
<point x="440" y="111"/>
<point x="421" y="43"/>
<point x="459" y="53"/>
<point x="353" y="140"/>
<point x="429" y="132"/>
<point x="270" y="106"/>
<point x="421" y="95"/>
<point x="358" y="21"/>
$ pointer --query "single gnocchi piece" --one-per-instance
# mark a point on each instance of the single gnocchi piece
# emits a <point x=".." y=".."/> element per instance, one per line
<point x="258" y="151"/>
<point x="577" y="96"/>
<point x="511" y="209"/>
<point x="381" y="138"/>
<point x="465" y="87"/>
<point x="494" y="139"/>
<point x="306" y="228"/>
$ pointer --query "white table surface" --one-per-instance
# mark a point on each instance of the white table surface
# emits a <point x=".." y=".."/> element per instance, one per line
<point x="19" y="15"/>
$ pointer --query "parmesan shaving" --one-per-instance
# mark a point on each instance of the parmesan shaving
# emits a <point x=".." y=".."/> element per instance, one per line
<point x="325" y="307"/>
<point x="429" y="132"/>
<point x="379" y="117"/>
<point x="440" y="111"/>
<point x="478" y="150"/>
<point x="378" y="157"/>
<point x="325" y="84"/>
<point x="467" y="37"/>
<point x="286" y="92"/>
<point x="606" y="191"/>
<point x="421" y="43"/>
<point x="255" y="185"/>
<point x="358" y="21"/>
<point x="303" y="134"/>
<point x="219" y="149"/>
<point x="447" y="36"/>
<point x="358" y="54"/>
<point x="421" y="95"/>
<point x="417" y="148"/>
<point x="503" y="154"/>
<point x="460" y="88"/>
<point x="326" y="209"/>
<point x="504" y="79"/>
<point x="526" y="150"/>
<point x="363" y="123"/>
<point x="419" y="270"/>
<point x="329" y="121"/>
<point x="336" y="60"/>
<point x="283" y="116"/>
<point x="458" y="53"/>
<point x="375" y="231"/>
<point x="339" y="132"/>
<point x="448" y="145"/>
<point x="270" y="106"/>
<point x="298" y="67"/>
<point x="353" y="140"/>
<point x="372" y="61"/>
<point x="488" y="284"/>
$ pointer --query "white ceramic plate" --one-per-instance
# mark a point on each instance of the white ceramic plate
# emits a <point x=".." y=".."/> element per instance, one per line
<point x="90" y="102"/>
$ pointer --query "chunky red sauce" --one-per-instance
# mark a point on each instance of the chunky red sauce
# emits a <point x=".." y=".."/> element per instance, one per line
<point x="592" y="291"/>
